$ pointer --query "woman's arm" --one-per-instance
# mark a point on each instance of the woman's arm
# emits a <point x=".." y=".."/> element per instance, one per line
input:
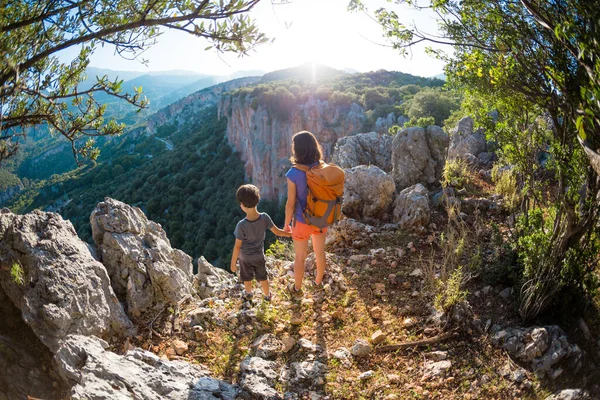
<point x="290" y="204"/>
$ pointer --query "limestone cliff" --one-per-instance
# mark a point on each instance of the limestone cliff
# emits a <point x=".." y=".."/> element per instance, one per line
<point x="264" y="140"/>
<point x="182" y="110"/>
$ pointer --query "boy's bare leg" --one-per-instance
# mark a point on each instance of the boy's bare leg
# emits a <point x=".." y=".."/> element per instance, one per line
<point x="300" y="247"/>
<point x="265" y="287"/>
<point x="248" y="286"/>
<point x="318" y="242"/>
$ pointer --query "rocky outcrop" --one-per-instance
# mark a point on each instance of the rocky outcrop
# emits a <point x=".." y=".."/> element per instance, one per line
<point x="382" y="125"/>
<point x="570" y="394"/>
<point x="367" y="193"/>
<point x="96" y="373"/>
<point x="546" y="348"/>
<point x="264" y="140"/>
<point x="144" y="268"/>
<point x="364" y="149"/>
<point x="411" y="208"/>
<point x="183" y="110"/>
<point x="52" y="278"/>
<point x="466" y="144"/>
<point x="418" y="156"/>
<point x="210" y="279"/>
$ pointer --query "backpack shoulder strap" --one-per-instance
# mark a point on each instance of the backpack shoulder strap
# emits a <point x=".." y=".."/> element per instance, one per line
<point x="301" y="167"/>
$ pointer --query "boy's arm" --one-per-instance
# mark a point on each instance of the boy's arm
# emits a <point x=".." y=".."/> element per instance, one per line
<point x="280" y="232"/>
<point x="235" y="255"/>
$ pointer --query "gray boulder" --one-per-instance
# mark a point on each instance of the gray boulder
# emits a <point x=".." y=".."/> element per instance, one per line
<point x="267" y="346"/>
<point x="466" y="144"/>
<point x="570" y="394"/>
<point x="411" y="208"/>
<point x="367" y="193"/>
<point x="96" y="373"/>
<point x="143" y="267"/>
<point x="546" y="348"/>
<point x="62" y="289"/>
<point x="210" y="279"/>
<point x="259" y="377"/>
<point x="418" y="156"/>
<point x="364" y="149"/>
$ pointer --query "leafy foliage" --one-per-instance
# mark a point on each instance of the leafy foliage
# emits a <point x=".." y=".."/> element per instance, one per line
<point x="36" y="89"/>
<point x="529" y="70"/>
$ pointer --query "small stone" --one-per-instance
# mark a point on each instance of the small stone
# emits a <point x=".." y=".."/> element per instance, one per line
<point x="410" y="245"/>
<point x="394" y="264"/>
<point x="338" y="314"/>
<point x="378" y="337"/>
<point x="164" y="357"/>
<point x="406" y="285"/>
<point x="415" y="293"/>
<point x="199" y="333"/>
<point x="297" y="318"/>
<point x="366" y="375"/>
<point x="436" y="369"/>
<point x="361" y="348"/>
<point x="180" y="346"/>
<point x="170" y="352"/>
<point x="376" y="312"/>
<point x="486" y="290"/>
<point x="505" y="294"/>
<point x="417" y="272"/>
<point x="408" y="322"/>
<point x="430" y="331"/>
<point x="393" y="378"/>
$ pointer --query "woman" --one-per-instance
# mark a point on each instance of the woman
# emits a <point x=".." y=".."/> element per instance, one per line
<point x="307" y="151"/>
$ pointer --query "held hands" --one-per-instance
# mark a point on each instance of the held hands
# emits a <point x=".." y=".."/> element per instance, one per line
<point x="287" y="229"/>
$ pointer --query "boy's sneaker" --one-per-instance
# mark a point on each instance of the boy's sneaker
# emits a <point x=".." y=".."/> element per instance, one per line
<point x="293" y="291"/>
<point x="268" y="298"/>
<point x="247" y="297"/>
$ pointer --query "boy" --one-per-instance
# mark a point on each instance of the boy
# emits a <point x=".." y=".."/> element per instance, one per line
<point x="250" y="242"/>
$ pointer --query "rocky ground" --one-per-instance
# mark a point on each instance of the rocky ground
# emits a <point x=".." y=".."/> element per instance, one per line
<point x="418" y="301"/>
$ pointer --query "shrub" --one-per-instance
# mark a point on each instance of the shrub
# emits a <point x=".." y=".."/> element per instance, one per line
<point x="456" y="173"/>
<point x="506" y="185"/>
<point x="450" y="292"/>
<point x="17" y="274"/>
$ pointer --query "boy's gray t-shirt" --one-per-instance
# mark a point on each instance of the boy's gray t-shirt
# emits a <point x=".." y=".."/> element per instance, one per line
<point x="252" y="235"/>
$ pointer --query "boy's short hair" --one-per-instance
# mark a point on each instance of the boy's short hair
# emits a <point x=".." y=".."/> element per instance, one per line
<point x="248" y="195"/>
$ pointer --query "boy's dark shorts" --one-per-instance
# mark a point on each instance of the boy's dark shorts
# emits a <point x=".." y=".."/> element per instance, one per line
<point x="253" y="269"/>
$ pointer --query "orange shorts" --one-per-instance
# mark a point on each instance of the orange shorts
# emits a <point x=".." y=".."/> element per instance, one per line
<point x="301" y="231"/>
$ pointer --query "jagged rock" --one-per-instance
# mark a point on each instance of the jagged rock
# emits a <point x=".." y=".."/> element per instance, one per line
<point x="437" y="355"/>
<point x="94" y="372"/>
<point x="287" y="343"/>
<point x="486" y="158"/>
<point x="200" y="316"/>
<point x="378" y="337"/>
<point x="464" y="142"/>
<point x="63" y="289"/>
<point x="411" y="208"/>
<point x="418" y="156"/>
<point x="570" y="394"/>
<point x="383" y="125"/>
<point x="546" y="348"/>
<point x="267" y="346"/>
<point x="346" y="231"/>
<point x="364" y="149"/>
<point x="259" y="377"/>
<point x="144" y="268"/>
<point x="361" y="348"/>
<point x="366" y="375"/>
<point x="209" y="279"/>
<point x="435" y="369"/>
<point x="343" y="354"/>
<point x="307" y="371"/>
<point x="367" y="192"/>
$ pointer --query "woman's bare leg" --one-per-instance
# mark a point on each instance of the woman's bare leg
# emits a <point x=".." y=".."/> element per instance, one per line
<point x="300" y="247"/>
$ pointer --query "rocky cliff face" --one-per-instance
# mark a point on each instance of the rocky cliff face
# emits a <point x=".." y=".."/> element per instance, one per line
<point x="9" y="193"/>
<point x="182" y="110"/>
<point x="264" y="140"/>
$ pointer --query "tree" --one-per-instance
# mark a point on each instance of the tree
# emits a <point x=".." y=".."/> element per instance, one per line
<point x="540" y="59"/>
<point x="36" y="89"/>
<point x="432" y="103"/>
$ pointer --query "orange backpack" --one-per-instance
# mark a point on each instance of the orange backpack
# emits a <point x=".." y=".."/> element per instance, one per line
<point x="325" y="190"/>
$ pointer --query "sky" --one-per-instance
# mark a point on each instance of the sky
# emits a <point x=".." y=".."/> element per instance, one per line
<point x="320" y="31"/>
